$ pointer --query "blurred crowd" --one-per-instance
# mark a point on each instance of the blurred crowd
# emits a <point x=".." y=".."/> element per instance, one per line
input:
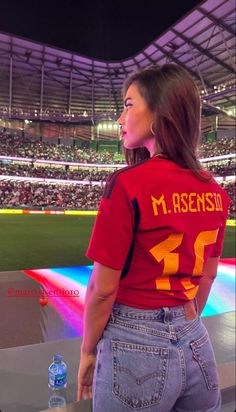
<point x="221" y="168"/>
<point x="46" y="196"/>
<point x="230" y="188"/>
<point x="91" y="174"/>
<point x="15" y="194"/>
<point x="18" y="146"/>
<point x="218" y="147"/>
<point x="25" y="194"/>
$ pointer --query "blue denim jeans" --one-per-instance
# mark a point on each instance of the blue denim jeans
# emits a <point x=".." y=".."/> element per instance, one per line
<point x="155" y="361"/>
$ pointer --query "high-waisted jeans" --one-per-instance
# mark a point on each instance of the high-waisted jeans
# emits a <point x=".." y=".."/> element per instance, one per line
<point x="155" y="361"/>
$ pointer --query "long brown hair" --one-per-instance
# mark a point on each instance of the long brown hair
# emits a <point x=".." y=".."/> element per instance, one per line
<point x="172" y="95"/>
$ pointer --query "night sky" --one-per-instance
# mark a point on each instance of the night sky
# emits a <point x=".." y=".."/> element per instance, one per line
<point x="107" y="30"/>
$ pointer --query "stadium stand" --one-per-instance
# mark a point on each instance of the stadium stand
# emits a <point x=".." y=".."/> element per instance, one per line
<point x="28" y="195"/>
<point x="90" y="174"/>
<point x="14" y="145"/>
<point x="43" y="196"/>
<point x="220" y="146"/>
<point x="33" y="169"/>
<point x="43" y="186"/>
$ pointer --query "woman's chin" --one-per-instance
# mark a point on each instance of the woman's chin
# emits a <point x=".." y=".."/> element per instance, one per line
<point x="129" y="145"/>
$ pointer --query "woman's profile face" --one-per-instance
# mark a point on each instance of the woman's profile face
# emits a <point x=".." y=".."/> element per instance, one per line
<point x="136" y="120"/>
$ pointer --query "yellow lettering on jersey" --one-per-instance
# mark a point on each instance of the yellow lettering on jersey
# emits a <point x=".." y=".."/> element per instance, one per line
<point x="204" y="238"/>
<point x="201" y="202"/>
<point x="176" y="202"/>
<point x="190" y="289"/>
<point x="164" y="251"/>
<point x="161" y="203"/>
<point x="184" y="202"/>
<point x="211" y="206"/>
<point x="191" y="293"/>
<point x="187" y="203"/>
<point x="192" y="200"/>
<point x="218" y="202"/>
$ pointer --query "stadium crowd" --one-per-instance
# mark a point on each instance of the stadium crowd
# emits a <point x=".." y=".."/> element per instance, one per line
<point x="26" y="194"/>
<point x="18" y="146"/>
<point x="43" y="196"/>
<point x="218" y="147"/>
<point x="14" y="194"/>
<point x="226" y="168"/>
<point x="91" y="174"/>
<point x="230" y="188"/>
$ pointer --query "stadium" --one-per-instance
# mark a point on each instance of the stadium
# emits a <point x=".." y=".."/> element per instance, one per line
<point x="59" y="142"/>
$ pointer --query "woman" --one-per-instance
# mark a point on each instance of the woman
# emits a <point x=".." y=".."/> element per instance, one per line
<point x="155" y="245"/>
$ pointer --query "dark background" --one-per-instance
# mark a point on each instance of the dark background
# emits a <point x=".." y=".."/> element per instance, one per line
<point x="110" y="30"/>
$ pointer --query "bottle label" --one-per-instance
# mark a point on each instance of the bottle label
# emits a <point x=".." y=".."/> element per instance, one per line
<point x="57" y="381"/>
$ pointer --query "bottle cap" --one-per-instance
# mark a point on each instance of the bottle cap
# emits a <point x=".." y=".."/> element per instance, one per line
<point x="57" y="358"/>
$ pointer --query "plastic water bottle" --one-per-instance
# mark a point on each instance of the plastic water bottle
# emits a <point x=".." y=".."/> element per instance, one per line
<point x="57" y="381"/>
<point x="57" y="373"/>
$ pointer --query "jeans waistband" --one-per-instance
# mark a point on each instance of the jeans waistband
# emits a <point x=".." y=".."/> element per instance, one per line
<point x="189" y="310"/>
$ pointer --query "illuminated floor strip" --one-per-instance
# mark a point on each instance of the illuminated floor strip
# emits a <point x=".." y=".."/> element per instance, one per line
<point x="73" y="281"/>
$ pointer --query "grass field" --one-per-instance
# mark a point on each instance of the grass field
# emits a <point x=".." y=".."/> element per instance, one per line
<point x="30" y="242"/>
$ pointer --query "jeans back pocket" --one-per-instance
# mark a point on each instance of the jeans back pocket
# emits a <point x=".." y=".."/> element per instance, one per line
<point x="204" y="355"/>
<point x="139" y="373"/>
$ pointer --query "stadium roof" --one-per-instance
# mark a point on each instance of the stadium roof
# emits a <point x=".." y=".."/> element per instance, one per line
<point x="38" y="81"/>
<point x="107" y="30"/>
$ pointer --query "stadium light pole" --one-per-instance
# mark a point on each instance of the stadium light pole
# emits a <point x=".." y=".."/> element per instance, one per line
<point x="97" y="139"/>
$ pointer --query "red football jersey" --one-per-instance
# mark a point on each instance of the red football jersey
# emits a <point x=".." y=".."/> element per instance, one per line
<point x="158" y="223"/>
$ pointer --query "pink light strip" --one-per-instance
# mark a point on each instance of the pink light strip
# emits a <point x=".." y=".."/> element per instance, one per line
<point x="56" y="162"/>
<point x="104" y="165"/>
<point x="53" y="181"/>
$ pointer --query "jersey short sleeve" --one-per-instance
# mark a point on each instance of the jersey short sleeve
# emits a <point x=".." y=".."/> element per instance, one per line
<point x="112" y="233"/>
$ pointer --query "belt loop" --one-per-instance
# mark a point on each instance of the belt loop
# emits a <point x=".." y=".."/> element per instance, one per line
<point x="166" y="314"/>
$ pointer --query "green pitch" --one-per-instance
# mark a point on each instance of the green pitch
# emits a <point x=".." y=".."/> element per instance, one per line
<point x="44" y="241"/>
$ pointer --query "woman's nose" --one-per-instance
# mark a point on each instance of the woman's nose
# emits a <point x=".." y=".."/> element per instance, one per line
<point x="120" y="120"/>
